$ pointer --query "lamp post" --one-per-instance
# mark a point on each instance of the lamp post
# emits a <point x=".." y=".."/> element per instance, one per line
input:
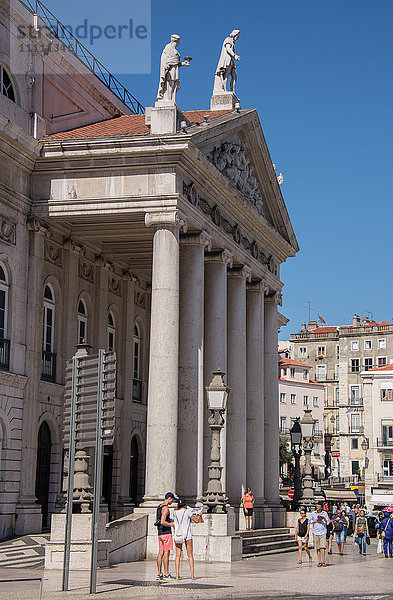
<point x="307" y="425"/>
<point x="217" y="394"/>
<point x="296" y="447"/>
<point x="365" y="446"/>
<point x="328" y="448"/>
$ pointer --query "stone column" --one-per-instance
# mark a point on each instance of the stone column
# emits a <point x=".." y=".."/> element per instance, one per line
<point x="271" y="407"/>
<point x="102" y="268"/>
<point x="28" y="512"/>
<point x="191" y="391"/>
<point x="215" y="355"/>
<point x="236" y="379"/>
<point x="161" y="445"/>
<point x="255" y="398"/>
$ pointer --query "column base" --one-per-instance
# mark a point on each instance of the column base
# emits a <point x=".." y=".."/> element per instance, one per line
<point x="28" y="516"/>
<point x="224" y="101"/>
<point x="80" y="554"/>
<point x="124" y="506"/>
<point x="277" y="513"/>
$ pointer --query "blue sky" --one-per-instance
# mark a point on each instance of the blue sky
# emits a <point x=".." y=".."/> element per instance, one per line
<point x="320" y="75"/>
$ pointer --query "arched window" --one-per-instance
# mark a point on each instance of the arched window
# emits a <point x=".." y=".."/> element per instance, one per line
<point x="4" y="341"/>
<point x="111" y="332"/>
<point x="82" y="322"/>
<point x="137" y="381"/>
<point x="48" y="355"/>
<point x="6" y="86"/>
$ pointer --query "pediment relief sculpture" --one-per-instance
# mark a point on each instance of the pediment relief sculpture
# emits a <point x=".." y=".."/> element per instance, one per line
<point x="231" y="160"/>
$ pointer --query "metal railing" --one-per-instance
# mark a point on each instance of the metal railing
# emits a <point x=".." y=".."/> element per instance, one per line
<point x="137" y="390"/>
<point x="48" y="372"/>
<point x="5" y="346"/>
<point x="384" y="443"/>
<point x="74" y="45"/>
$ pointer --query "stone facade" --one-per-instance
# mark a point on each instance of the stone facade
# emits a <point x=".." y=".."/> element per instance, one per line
<point x="138" y="243"/>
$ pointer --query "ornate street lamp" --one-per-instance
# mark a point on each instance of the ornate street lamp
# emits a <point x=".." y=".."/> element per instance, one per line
<point x="217" y="394"/>
<point x="296" y="447"/>
<point x="307" y="425"/>
<point x="328" y="448"/>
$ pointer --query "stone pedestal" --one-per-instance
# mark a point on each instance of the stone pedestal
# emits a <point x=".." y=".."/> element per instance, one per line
<point x="213" y="541"/>
<point x="165" y="118"/>
<point x="224" y="101"/>
<point x="28" y="516"/>
<point x="80" y="555"/>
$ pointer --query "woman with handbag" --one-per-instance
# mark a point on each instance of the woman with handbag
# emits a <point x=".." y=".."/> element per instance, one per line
<point x="362" y="532"/>
<point x="182" y="518"/>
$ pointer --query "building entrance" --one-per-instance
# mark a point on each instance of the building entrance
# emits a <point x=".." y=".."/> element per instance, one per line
<point x="43" y="470"/>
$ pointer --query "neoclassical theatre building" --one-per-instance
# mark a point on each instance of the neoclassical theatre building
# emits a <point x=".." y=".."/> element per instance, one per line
<point x="164" y="247"/>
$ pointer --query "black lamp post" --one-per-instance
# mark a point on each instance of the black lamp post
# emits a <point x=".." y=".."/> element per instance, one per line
<point x="328" y="447"/>
<point x="296" y="447"/>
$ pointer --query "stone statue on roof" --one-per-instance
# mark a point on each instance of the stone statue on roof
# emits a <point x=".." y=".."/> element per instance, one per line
<point x="169" y="71"/>
<point x="226" y="65"/>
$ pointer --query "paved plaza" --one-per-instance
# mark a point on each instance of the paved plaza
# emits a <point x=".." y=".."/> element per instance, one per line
<point x="275" y="576"/>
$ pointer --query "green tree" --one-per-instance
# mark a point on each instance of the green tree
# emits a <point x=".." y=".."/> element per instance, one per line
<point x="285" y="454"/>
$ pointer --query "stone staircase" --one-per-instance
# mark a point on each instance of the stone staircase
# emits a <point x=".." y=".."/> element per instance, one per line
<point x="261" y="542"/>
<point x="25" y="552"/>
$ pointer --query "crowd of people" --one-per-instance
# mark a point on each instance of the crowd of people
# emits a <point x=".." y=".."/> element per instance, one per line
<point x="341" y="522"/>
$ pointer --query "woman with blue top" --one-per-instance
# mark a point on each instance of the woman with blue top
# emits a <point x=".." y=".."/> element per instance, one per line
<point x="361" y="531"/>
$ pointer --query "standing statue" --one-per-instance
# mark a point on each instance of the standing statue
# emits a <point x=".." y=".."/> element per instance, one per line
<point x="226" y="65"/>
<point x="169" y="71"/>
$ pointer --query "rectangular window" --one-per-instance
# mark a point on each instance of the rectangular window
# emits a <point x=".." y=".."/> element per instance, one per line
<point x="355" y="365"/>
<point x="387" y="435"/>
<point x="315" y="401"/>
<point x="284" y="372"/>
<point x="337" y="372"/>
<point x="337" y="396"/>
<point x="355" y="467"/>
<point x="306" y="401"/>
<point x="388" y="468"/>
<point x="321" y="372"/>
<point x="355" y="443"/>
<point x="337" y="424"/>
<point x="292" y="372"/>
<point x="386" y="395"/>
<point x="368" y="364"/>
<point x="283" y="397"/>
<point x="355" y="345"/>
<point x="303" y="352"/>
<point x="316" y="427"/>
<point x="355" y="395"/>
<point x="305" y="374"/>
<point x="368" y="344"/>
<point x="355" y="423"/>
<point x="293" y="398"/>
<point x="316" y="449"/>
<point x="382" y="344"/>
<point x="283" y="424"/>
<point x="325" y="425"/>
<point x="325" y="402"/>
<point x="321" y="351"/>
<point x="382" y="361"/>
<point x="337" y="351"/>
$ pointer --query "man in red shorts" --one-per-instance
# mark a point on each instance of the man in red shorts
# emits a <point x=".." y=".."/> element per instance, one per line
<point x="164" y="530"/>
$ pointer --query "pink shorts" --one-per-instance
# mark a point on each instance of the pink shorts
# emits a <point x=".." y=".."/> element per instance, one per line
<point x="165" y="542"/>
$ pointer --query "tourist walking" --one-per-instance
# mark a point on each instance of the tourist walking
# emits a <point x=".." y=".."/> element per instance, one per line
<point x="301" y="535"/>
<point x="329" y="533"/>
<point x="340" y="528"/>
<point x="164" y="529"/>
<point x="319" y="519"/>
<point x="387" y="535"/>
<point x="248" y="507"/>
<point x="361" y="531"/>
<point x="183" y="535"/>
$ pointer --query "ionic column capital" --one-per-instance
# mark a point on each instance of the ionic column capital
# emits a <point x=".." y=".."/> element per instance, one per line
<point x="69" y="244"/>
<point x="272" y="295"/>
<point x="33" y="224"/>
<point x="222" y="256"/>
<point x="131" y="277"/>
<point x="166" y="218"/>
<point x="197" y="239"/>
<point x="101" y="261"/>
<point x="243" y="272"/>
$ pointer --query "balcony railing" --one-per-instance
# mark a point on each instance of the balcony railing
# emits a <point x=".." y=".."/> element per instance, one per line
<point x="5" y="346"/>
<point x="137" y="390"/>
<point x="385" y="443"/>
<point x="48" y="366"/>
<point x="355" y="401"/>
<point x="356" y="429"/>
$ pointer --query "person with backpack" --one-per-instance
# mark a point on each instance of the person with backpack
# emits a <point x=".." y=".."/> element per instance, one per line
<point x="340" y="525"/>
<point x="361" y="531"/>
<point x="183" y="535"/>
<point x="164" y="526"/>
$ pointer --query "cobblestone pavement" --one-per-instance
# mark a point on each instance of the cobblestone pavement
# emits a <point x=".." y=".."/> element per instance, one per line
<point x="351" y="577"/>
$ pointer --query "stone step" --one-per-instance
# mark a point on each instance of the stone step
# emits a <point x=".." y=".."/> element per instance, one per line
<point x="258" y="549"/>
<point x="268" y="552"/>
<point x="262" y="532"/>
<point x="284" y="537"/>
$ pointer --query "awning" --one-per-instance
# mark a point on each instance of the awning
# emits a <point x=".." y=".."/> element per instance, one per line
<point x="382" y="499"/>
<point x="346" y="495"/>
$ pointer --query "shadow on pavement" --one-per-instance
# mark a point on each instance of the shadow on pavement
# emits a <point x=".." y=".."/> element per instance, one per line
<point x="185" y="586"/>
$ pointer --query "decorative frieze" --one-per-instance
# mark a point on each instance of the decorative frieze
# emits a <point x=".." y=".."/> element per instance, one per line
<point x="86" y="270"/>
<point x="114" y="285"/>
<point x="233" y="229"/>
<point x="53" y="253"/>
<point x="7" y="231"/>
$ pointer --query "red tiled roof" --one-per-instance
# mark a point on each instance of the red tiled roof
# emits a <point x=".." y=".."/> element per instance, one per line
<point x="289" y="361"/>
<point x="322" y="329"/>
<point x="369" y="324"/>
<point x="127" y="125"/>
<point x="310" y="382"/>
<point x="383" y="368"/>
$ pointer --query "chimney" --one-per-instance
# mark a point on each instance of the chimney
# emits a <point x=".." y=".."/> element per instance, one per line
<point x="304" y="328"/>
<point x="356" y="321"/>
<point x="365" y="321"/>
<point x="312" y="325"/>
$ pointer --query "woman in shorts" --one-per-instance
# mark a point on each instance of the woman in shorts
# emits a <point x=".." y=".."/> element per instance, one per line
<point x="182" y="518"/>
<point x="301" y="535"/>
<point x="248" y="507"/>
